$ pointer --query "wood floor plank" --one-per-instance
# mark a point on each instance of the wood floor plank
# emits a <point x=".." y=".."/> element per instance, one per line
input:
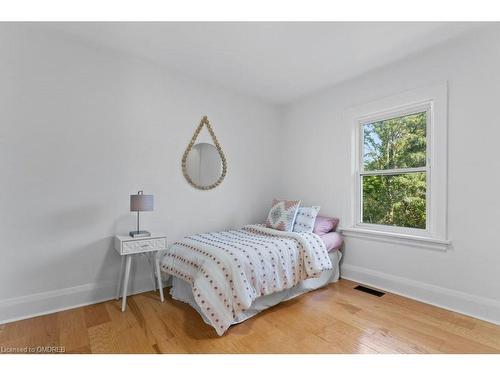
<point x="96" y="314"/>
<point x="73" y="334"/>
<point x="41" y="326"/>
<point x="104" y="338"/>
<point x="334" y="319"/>
<point x="122" y="320"/>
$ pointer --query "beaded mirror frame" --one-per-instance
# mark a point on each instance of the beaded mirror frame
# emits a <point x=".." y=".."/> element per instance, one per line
<point x="204" y="122"/>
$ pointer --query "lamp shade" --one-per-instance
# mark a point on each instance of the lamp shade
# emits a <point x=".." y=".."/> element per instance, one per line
<point x="141" y="202"/>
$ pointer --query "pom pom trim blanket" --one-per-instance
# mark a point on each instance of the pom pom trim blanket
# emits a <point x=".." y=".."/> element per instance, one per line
<point x="229" y="270"/>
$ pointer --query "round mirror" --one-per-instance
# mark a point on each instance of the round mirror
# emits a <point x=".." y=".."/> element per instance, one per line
<point x="203" y="168"/>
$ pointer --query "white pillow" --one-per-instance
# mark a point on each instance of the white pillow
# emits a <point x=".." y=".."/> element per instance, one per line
<point x="282" y="215"/>
<point x="305" y="219"/>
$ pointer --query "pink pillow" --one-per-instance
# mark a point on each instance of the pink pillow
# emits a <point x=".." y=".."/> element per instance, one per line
<point x="332" y="240"/>
<point x="324" y="225"/>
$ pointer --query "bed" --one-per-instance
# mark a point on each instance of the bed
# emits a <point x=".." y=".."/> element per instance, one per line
<point x="230" y="276"/>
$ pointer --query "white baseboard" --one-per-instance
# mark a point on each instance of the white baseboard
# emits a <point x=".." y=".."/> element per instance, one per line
<point x="38" y="304"/>
<point x="463" y="303"/>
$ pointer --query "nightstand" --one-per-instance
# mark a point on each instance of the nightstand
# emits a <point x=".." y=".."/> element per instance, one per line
<point x="127" y="247"/>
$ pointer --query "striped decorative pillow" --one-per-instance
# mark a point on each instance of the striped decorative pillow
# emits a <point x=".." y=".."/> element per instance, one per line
<point x="306" y="217"/>
<point x="282" y="215"/>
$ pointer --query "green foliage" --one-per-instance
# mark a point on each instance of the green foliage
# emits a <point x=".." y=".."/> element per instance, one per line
<point x="398" y="200"/>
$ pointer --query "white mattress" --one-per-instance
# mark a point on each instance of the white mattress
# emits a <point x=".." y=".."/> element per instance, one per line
<point x="182" y="291"/>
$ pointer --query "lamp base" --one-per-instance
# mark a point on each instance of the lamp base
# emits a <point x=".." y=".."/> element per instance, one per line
<point x="139" y="233"/>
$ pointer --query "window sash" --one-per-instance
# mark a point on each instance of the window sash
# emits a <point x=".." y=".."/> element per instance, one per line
<point x="392" y="172"/>
<point x="415" y="110"/>
<point x="394" y="228"/>
<point x="387" y="115"/>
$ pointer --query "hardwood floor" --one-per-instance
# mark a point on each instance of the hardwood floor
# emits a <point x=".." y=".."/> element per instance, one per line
<point x="335" y="319"/>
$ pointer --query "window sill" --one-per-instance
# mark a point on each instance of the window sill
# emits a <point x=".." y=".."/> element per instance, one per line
<point x="403" y="239"/>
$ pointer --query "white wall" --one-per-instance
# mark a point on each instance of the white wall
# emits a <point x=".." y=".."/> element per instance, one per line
<point x="81" y="128"/>
<point x="465" y="278"/>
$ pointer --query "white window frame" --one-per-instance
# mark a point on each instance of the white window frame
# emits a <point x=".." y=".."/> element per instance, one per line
<point x="432" y="100"/>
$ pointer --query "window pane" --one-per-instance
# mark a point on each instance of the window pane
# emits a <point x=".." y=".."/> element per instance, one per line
<point x="397" y="200"/>
<point x="395" y="143"/>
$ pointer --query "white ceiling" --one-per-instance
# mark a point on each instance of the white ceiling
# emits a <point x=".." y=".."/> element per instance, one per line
<point x="277" y="62"/>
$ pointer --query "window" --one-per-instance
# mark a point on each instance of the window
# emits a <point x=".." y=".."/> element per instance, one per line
<point x="393" y="170"/>
<point x="399" y="169"/>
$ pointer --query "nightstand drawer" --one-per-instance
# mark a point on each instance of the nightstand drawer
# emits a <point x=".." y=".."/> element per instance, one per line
<point x="140" y="246"/>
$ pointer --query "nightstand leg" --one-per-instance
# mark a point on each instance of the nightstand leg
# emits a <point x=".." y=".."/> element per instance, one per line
<point x="120" y="278"/>
<point x="152" y="264"/>
<point x="158" y="274"/>
<point x="125" y="281"/>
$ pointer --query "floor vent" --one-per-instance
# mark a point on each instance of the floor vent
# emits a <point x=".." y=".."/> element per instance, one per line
<point x="369" y="290"/>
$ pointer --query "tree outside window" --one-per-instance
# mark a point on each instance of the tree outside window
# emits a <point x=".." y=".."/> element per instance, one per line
<point x="393" y="173"/>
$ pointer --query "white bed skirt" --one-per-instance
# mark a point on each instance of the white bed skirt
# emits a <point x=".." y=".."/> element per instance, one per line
<point x="181" y="291"/>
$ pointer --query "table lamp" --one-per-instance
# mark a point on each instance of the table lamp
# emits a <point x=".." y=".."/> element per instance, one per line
<point x="140" y="202"/>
